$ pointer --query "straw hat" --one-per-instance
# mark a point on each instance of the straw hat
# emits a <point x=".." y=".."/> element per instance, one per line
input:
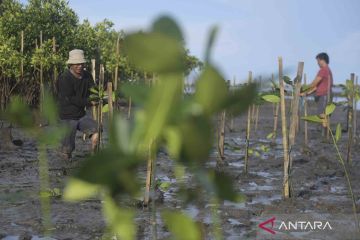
<point x="76" y="56"/>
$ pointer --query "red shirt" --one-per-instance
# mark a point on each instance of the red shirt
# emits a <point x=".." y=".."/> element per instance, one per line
<point x="326" y="76"/>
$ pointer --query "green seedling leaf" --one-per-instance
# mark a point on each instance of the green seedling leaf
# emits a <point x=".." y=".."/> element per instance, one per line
<point x="313" y="118"/>
<point x="155" y="52"/>
<point x="270" y="135"/>
<point x="338" y="132"/>
<point x="239" y="100"/>
<point x="330" y="109"/>
<point x="173" y="139"/>
<point x="105" y="108"/>
<point x="250" y="151"/>
<point x="139" y="93"/>
<point x="181" y="226"/>
<point x="50" y="109"/>
<point x="211" y="90"/>
<point x="287" y="80"/>
<point x="164" y="186"/>
<point x="167" y="26"/>
<point x="19" y="113"/>
<point x="224" y="187"/>
<point x="212" y="35"/>
<point x="116" y="171"/>
<point x="94" y="90"/>
<point x="197" y="143"/>
<point x="305" y="88"/>
<point x="77" y="190"/>
<point x="271" y="98"/>
<point x="120" y="220"/>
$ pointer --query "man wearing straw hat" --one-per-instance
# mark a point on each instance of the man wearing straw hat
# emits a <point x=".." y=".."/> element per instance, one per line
<point x="73" y="96"/>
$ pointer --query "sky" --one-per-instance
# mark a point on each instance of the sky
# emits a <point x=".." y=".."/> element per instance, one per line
<point x="253" y="33"/>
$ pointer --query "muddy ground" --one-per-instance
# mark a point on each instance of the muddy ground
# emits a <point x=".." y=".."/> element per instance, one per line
<point x="319" y="188"/>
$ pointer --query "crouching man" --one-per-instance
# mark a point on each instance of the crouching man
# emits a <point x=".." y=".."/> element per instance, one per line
<point x="73" y="87"/>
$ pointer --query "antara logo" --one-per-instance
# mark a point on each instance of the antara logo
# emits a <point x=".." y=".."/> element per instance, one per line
<point x="269" y="224"/>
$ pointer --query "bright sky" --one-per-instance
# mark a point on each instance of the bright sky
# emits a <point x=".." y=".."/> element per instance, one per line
<point x="253" y="33"/>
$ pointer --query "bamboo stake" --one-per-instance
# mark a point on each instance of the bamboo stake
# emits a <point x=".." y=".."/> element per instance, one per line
<point x="257" y="109"/>
<point x="329" y="100"/>
<point x="286" y="183"/>
<point x="93" y="73"/>
<point x="350" y="120"/>
<point x="221" y="137"/>
<point x="117" y="63"/>
<point x="149" y="174"/>
<point x="100" y="113"/>
<point x="110" y="101"/>
<point x="41" y="76"/>
<point x="232" y="116"/>
<point x="305" y="113"/>
<point x="355" y="108"/>
<point x="248" y="131"/>
<point x="22" y="55"/>
<point x="295" y="110"/>
<point x="55" y="69"/>
<point x="276" y="116"/>
<point x="253" y="108"/>
<point x="129" y="108"/>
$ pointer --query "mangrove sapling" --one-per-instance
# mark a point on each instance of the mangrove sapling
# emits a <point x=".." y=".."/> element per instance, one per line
<point x="330" y="108"/>
<point x="184" y="126"/>
<point x="248" y="129"/>
<point x="19" y="113"/>
<point x="349" y="93"/>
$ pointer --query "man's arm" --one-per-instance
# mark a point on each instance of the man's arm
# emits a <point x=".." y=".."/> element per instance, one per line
<point x="313" y="86"/>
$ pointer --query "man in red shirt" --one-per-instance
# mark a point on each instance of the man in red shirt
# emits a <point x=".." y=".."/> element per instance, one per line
<point x="322" y="84"/>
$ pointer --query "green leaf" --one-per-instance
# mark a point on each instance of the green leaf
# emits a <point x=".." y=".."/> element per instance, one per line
<point x="50" y="109"/>
<point x="330" y="108"/>
<point x="287" y="80"/>
<point x="224" y="187"/>
<point x="338" y="132"/>
<point x="155" y="52"/>
<point x="313" y="118"/>
<point x="164" y="186"/>
<point x="271" y="98"/>
<point x="120" y="220"/>
<point x="239" y="100"/>
<point x="139" y="93"/>
<point x="105" y="108"/>
<point x="181" y="226"/>
<point x="161" y="106"/>
<point x="270" y="135"/>
<point x="77" y="190"/>
<point x="173" y="140"/>
<point x="213" y="32"/>
<point x="211" y="90"/>
<point x="166" y="25"/>
<point x="117" y="171"/>
<point x="19" y="113"/>
<point x="94" y="90"/>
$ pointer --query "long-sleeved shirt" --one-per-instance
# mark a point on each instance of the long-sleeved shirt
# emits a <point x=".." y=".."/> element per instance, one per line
<point x="73" y="94"/>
